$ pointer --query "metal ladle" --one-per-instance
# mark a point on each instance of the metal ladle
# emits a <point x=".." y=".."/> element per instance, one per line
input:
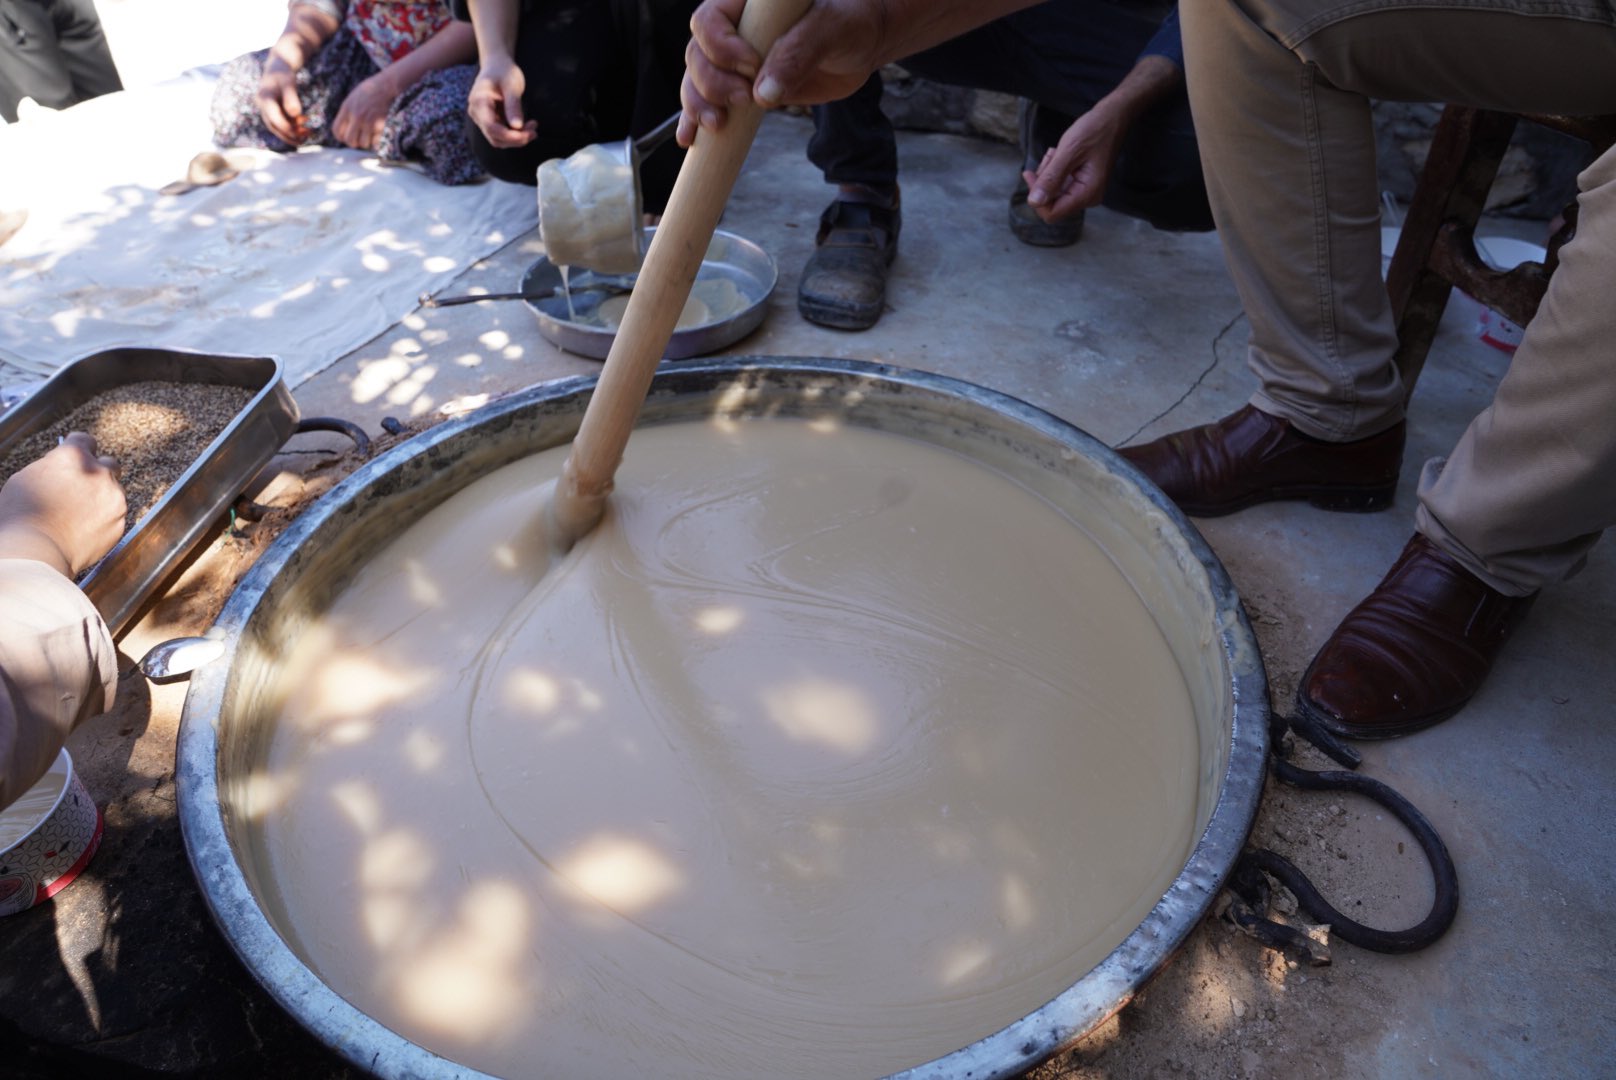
<point x="604" y="229"/>
<point x="628" y="234"/>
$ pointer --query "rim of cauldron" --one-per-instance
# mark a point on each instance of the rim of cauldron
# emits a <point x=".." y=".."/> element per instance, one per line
<point x="1008" y="1052"/>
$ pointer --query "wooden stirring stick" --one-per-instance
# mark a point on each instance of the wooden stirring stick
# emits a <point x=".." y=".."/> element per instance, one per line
<point x="699" y="194"/>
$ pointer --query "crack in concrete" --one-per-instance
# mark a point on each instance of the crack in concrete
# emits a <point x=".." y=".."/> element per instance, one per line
<point x="1199" y="379"/>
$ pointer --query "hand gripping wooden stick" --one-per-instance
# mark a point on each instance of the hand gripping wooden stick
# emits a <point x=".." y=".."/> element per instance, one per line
<point x="699" y="194"/>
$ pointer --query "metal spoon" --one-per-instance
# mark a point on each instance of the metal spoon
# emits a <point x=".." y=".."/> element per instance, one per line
<point x="614" y="283"/>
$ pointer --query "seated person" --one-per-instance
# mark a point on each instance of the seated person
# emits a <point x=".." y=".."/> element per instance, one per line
<point x="58" y="667"/>
<point x="54" y="52"/>
<point x="1114" y="64"/>
<point x="558" y="75"/>
<point x="385" y="75"/>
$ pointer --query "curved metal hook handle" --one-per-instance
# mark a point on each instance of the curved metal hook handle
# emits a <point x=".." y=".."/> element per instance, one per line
<point x="1444" y="906"/>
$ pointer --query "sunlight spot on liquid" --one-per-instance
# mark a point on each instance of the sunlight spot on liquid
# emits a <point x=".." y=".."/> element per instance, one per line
<point x="466" y="982"/>
<point x="1016" y="907"/>
<point x="423" y="590"/>
<point x="349" y="732"/>
<point x="588" y="699"/>
<point x="350" y="686"/>
<point x="829" y="832"/>
<point x="533" y="691"/>
<point x="816" y="711"/>
<point x="962" y="961"/>
<point x="395" y="860"/>
<point x="825" y="425"/>
<point x="263" y="793"/>
<point x="423" y="750"/>
<point x="719" y="620"/>
<point x="952" y="845"/>
<point x="358" y="803"/>
<point x="621" y="872"/>
<point x="799" y="866"/>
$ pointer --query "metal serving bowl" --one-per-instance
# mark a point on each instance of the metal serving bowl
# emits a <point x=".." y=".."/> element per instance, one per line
<point x="748" y="266"/>
<point x="229" y="712"/>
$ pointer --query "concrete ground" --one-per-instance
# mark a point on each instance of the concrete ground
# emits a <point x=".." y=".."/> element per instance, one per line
<point x="1130" y="334"/>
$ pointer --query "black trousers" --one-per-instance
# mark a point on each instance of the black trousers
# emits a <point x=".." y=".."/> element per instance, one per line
<point x="54" y="52"/>
<point x="1064" y="56"/>
<point x="597" y="71"/>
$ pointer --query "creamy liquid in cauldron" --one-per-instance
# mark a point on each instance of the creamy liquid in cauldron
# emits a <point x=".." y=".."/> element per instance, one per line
<point x="828" y="753"/>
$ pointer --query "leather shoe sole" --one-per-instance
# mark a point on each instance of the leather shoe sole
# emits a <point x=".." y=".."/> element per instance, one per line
<point x="1414" y="652"/>
<point x="1252" y="457"/>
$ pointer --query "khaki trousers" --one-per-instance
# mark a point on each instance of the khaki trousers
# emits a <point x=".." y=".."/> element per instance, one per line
<point x="1280" y="92"/>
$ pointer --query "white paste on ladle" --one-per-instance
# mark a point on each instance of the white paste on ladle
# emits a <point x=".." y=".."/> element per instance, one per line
<point x="589" y="211"/>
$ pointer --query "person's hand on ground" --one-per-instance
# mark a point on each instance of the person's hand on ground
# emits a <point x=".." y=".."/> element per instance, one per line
<point x="495" y="105"/>
<point x="824" y="56"/>
<point x="279" y="104"/>
<point x="364" y="112"/>
<point x="1074" y="172"/>
<point x="66" y="509"/>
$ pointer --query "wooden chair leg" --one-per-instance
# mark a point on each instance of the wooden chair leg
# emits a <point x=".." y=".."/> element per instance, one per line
<point x="1465" y="151"/>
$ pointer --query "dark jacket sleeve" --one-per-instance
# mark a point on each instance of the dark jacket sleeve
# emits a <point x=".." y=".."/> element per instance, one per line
<point x="1167" y="42"/>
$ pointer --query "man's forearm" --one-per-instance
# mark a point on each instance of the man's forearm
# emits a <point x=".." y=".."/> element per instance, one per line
<point x="912" y="26"/>
<point x="1152" y="78"/>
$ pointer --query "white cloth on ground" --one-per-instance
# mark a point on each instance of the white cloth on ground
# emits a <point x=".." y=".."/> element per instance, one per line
<point x="303" y="256"/>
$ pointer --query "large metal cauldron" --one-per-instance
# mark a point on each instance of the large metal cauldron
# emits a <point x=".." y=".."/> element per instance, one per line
<point x="226" y="722"/>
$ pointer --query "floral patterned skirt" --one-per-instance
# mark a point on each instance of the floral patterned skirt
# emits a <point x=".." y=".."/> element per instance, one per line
<point x="426" y="125"/>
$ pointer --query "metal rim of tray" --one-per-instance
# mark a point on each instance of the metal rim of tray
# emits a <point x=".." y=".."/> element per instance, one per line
<point x="1008" y="1052"/>
<point x="126" y="577"/>
<point x="729" y="255"/>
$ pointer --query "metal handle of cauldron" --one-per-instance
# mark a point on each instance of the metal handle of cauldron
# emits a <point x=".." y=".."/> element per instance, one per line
<point x="176" y="658"/>
<point x="1249" y="885"/>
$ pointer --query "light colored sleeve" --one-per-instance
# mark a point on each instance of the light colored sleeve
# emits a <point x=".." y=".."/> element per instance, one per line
<point x="58" y="667"/>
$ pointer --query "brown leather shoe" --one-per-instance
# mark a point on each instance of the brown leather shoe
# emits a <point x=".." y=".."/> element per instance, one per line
<point x="1250" y="457"/>
<point x="1413" y="652"/>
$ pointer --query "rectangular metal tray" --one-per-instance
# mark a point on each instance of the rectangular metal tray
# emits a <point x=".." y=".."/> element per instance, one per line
<point x="120" y="583"/>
